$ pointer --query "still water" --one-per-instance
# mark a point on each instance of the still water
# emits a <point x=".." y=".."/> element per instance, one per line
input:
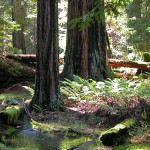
<point x="28" y="139"/>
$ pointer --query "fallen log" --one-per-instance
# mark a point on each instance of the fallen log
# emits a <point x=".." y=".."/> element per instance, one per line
<point x="116" y="135"/>
<point x="115" y="63"/>
<point x="12" y="71"/>
<point x="23" y="57"/>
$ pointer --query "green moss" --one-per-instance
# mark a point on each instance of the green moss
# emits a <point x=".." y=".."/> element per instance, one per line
<point x="18" y="97"/>
<point x="15" y="68"/>
<point x="113" y="135"/>
<point x="41" y="127"/>
<point x="55" y="128"/>
<point x="73" y="143"/>
<point x="11" y="114"/>
<point x="48" y="128"/>
<point x="9" y="131"/>
<point x="146" y="56"/>
<point x="133" y="147"/>
<point x="126" y="124"/>
<point x="6" y="132"/>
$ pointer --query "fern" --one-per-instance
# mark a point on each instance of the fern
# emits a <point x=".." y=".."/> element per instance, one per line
<point x="119" y="91"/>
<point x="37" y="108"/>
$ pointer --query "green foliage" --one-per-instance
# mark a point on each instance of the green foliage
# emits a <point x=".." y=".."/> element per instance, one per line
<point x="115" y="7"/>
<point x="30" y="25"/>
<point x="112" y="7"/>
<point x="12" y="113"/>
<point x="79" y="89"/>
<point x="120" y="92"/>
<point x="146" y="56"/>
<point x="139" y="21"/>
<point x="37" y="108"/>
<point x="2" y="146"/>
<point x="7" y="26"/>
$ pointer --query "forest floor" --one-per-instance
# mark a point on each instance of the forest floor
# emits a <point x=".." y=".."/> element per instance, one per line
<point x="85" y="117"/>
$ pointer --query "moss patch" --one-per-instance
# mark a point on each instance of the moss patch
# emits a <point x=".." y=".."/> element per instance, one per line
<point x="73" y="143"/>
<point x="54" y="128"/>
<point x="146" y="56"/>
<point x="15" y="68"/>
<point x="6" y="131"/>
<point x="11" y="114"/>
<point x="9" y="131"/>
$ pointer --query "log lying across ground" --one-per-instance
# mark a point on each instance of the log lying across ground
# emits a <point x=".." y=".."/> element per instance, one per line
<point x="12" y="71"/>
<point x="19" y="67"/>
<point x="117" y="134"/>
<point x="115" y="63"/>
<point x="23" y="57"/>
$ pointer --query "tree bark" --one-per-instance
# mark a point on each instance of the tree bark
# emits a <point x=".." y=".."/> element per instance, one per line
<point x="47" y="88"/>
<point x="18" y="15"/>
<point x="86" y="50"/>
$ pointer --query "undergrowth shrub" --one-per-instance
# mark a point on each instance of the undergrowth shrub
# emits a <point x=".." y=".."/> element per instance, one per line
<point x="112" y="95"/>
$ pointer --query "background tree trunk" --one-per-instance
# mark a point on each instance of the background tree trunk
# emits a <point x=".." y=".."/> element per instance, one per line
<point x="47" y="89"/>
<point x="86" y="50"/>
<point x="18" y="15"/>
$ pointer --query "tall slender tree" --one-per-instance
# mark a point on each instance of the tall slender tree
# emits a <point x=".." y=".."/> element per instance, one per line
<point x="47" y="89"/>
<point x="86" y="49"/>
<point x="18" y="15"/>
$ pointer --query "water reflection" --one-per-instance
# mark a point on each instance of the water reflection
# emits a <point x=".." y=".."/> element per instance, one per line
<point x="28" y="139"/>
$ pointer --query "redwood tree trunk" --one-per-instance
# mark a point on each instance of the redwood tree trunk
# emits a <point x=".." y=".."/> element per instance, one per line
<point x="47" y="90"/>
<point x="18" y="15"/>
<point x="86" y="50"/>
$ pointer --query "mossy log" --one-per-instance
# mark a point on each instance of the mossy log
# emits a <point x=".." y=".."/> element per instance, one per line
<point x="12" y="71"/>
<point x="117" y="134"/>
<point x="11" y="114"/>
<point x="23" y="57"/>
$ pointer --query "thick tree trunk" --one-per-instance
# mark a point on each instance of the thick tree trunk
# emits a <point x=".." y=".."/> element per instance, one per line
<point x="97" y="61"/>
<point x="86" y="50"/>
<point x="18" y="15"/>
<point x="47" y="90"/>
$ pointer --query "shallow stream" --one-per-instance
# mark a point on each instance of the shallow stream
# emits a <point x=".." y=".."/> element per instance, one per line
<point x="28" y="139"/>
